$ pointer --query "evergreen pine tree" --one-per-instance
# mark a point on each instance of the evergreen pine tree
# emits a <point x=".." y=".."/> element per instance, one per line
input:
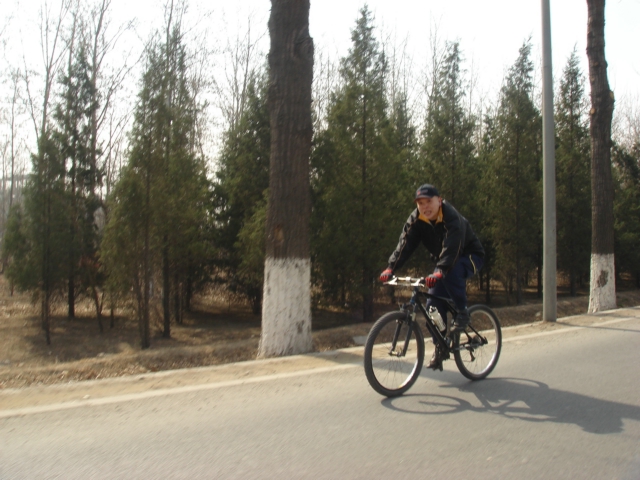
<point x="157" y="227"/>
<point x="360" y="187"/>
<point x="37" y="235"/>
<point x="573" y="175"/>
<point x="627" y="209"/>
<point x="72" y="133"/>
<point x="238" y="195"/>
<point x="486" y="181"/>
<point x="514" y="175"/>
<point x="447" y="150"/>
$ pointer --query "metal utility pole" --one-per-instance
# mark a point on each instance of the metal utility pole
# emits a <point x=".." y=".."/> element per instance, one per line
<point x="549" y="287"/>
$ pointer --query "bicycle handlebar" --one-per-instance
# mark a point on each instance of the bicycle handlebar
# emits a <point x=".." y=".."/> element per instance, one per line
<point x="406" y="281"/>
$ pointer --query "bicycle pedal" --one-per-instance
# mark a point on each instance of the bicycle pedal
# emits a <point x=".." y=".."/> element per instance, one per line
<point x="435" y="366"/>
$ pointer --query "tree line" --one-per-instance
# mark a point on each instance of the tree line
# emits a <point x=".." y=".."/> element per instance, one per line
<point x="168" y="224"/>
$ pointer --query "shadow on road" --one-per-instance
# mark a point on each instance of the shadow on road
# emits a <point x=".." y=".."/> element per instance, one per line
<point x="525" y="400"/>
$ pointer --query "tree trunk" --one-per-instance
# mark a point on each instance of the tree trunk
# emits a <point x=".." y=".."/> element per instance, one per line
<point x="487" y="295"/>
<point x="286" y="312"/>
<point x="46" y="316"/>
<point x="168" y="96"/>
<point x="602" y="289"/>
<point x="188" y="294"/>
<point x="540" y="266"/>
<point x="177" y="298"/>
<point x="143" y="318"/>
<point x="518" y="282"/>
<point x="166" y="290"/>
<point x="71" y="291"/>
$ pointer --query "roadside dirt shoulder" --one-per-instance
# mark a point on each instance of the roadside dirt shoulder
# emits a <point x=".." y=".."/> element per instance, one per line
<point x="43" y="398"/>
<point x="78" y="355"/>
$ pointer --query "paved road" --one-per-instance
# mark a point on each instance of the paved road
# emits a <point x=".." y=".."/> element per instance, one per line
<point x="563" y="402"/>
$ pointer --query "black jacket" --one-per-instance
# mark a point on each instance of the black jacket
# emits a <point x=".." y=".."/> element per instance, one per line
<point x="447" y="239"/>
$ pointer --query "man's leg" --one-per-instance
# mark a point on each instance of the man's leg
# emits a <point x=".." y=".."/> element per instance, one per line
<point x="454" y="286"/>
<point x="455" y="283"/>
<point x="441" y="291"/>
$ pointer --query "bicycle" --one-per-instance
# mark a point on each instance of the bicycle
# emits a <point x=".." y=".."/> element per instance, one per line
<point x="394" y="349"/>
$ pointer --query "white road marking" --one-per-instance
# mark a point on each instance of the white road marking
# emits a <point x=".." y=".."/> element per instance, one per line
<point x="92" y="402"/>
<point x="567" y="328"/>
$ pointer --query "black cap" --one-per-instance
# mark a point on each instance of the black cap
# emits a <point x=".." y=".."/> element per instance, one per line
<point x="426" y="191"/>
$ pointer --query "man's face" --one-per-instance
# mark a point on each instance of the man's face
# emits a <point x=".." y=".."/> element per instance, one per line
<point x="429" y="207"/>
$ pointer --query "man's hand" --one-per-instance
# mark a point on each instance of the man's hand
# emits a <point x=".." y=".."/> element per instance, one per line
<point x="432" y="279"/>
<point x="386" y="275"/>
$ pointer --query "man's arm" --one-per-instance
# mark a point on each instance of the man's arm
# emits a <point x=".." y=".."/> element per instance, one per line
<point x="409" y="240"/>
<point x="453" y="241"/>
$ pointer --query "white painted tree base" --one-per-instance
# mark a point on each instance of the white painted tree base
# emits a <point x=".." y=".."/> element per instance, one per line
<point x="286" y="308"/>
<point x="603" y="283"/>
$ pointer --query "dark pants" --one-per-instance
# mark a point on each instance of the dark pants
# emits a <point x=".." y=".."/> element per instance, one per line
<point x="454" y="284"/>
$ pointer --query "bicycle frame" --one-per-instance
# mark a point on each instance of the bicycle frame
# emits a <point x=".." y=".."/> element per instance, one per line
<point x="414" y="302"/>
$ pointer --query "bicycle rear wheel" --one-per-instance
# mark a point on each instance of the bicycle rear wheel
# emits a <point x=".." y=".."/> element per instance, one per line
<point x="393" y="354"/>
<point x="477" y="349"/>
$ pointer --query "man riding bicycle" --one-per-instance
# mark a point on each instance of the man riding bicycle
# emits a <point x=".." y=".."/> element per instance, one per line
<point x="454" y="247"/>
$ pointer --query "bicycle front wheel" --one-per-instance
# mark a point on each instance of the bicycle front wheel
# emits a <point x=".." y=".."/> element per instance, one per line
<point x="393" y="354"/>
<point x="477" y="349"/>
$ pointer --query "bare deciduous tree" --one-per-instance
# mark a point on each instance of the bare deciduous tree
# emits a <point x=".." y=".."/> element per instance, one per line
<point x="50" y="29"/>
<point x="437" y="54"/>
<point x="241" y="64"/>
<point x="326" y="78"/>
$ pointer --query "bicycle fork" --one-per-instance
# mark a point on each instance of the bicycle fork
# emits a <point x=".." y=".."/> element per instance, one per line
<point x="396" y="335"/>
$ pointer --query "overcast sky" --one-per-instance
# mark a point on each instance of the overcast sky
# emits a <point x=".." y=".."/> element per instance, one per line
<point x="490" y="31"/>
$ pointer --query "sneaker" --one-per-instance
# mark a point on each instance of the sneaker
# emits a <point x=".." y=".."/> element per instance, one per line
<point x="437" y="358"/>
<point x="461" y="321"/>
<point x="436" y="361"/>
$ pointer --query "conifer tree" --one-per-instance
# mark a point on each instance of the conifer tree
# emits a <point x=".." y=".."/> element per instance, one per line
<point x="627" y="208"/>
<point x="238" y="195"/>
<point x="573" y="175"/>
<point x="37" y="236"/>
<point x="360" y="186"/>
<point x="514" y="174"/>
<point x="40" y="231"/>
<point x="72" y="132"/>
<point x="447" y="150"/>
<point x="130" y="246"/>
<point x="157" y="226"/>
<point x="486" y="181"/>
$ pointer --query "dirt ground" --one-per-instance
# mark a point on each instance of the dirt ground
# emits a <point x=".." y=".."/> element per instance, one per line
<point x="214" y="333"/>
